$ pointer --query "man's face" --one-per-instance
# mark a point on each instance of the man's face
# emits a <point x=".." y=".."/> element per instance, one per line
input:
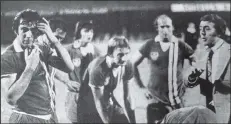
<point x="60" y="34"/>
<point x="86" y="34"/>
<point x="207" y="32"/>
<point x="26" y="31"/>
<point x="120" y="55"/>
<point x="165" y="28"/>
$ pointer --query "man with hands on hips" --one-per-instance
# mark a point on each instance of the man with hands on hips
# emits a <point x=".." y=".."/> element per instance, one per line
<point x="25" y="73"/>
<point x="165" y="54"/>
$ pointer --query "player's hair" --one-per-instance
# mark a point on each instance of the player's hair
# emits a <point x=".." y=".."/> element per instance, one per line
<point x="157" y="109"/>
<point x="220" y="24"/>
<point x="57" y="23"/>
<point x="28" y="15"/>
<point x="155" y="23"/>
<point x="80" y="25"/>
<point x="117" y="42"/>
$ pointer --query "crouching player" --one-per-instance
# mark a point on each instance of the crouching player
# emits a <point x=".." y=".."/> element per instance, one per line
<point x="104" y="93"/>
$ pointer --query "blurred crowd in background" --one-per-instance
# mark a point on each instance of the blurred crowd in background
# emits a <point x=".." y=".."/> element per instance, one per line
<point x="132" y="19"/>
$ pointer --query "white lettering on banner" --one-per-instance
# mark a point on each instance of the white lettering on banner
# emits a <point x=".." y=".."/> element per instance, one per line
<point x="200" y="7"/>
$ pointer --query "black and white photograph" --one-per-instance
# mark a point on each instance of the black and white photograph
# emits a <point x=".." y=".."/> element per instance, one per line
<point x="115" y="62"/>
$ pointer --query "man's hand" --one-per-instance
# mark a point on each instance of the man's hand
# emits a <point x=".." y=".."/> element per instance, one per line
<point x="73" y="86"/>
<point x="33" y="59"/>
<point x="148" y="95"/>
<point x="45" y="28"/>
<point x="195" y="74"/>
<point x="192" y="78"/>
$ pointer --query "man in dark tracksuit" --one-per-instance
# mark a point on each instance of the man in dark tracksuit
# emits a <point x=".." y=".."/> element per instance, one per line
<point x="25" y="70"/>
<point x="82" y="52"/>
<point x="165" y="54"/>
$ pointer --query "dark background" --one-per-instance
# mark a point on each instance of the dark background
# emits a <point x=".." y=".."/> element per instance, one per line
<point x="134" y="17"/>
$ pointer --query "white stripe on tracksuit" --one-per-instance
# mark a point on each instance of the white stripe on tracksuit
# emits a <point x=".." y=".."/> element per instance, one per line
<point x="172" y="73"/>
<point x="50" y="83"/>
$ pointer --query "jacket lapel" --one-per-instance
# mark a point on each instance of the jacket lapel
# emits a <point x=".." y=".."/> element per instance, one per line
<point x="220" y="60"/>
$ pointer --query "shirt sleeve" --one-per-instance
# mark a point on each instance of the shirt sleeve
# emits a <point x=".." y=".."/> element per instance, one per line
<point x="7" y="65"/>
<point x="96" y="78"/>
<point x="55" y="61"/>
<point x="187" y="50"/>
<point x="144" y="49"/>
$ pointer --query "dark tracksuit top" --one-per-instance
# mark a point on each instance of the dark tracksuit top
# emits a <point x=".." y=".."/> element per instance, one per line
<point x="80" y="62"/>
<point x="158" y="62"/>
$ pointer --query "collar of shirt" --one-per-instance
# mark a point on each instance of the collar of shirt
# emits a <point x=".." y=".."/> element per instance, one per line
<point x="17" y="46"/>
<point x="109" y="61"/>
<point x="217" y="45"/>
<point x="165" y="45"/>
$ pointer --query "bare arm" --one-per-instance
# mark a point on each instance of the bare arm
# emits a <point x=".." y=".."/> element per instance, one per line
<point x="100" y="103"/>
<point x="15" y="89"/>
<point x="45" y="27"/>
<point x="64" y="78"/>
<point x="136" y="60"/>
<point x="64" y="55"/>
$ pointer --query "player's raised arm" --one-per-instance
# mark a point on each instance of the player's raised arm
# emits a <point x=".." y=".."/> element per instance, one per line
<point x="45" y="27"/>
